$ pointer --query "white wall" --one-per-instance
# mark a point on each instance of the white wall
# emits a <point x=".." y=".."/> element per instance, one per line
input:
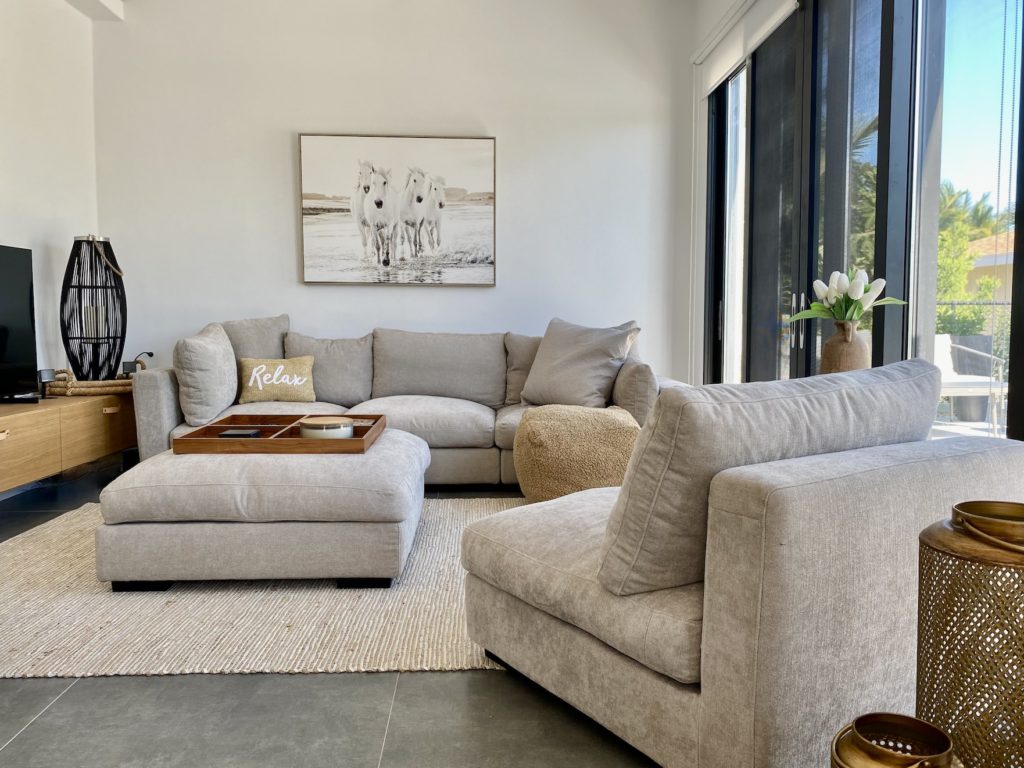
<point x="47" y="156"/>
<point x="199" y="102"/>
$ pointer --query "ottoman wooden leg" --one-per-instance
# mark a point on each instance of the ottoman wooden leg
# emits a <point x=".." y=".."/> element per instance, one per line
<point x="364" y="583"/>
<point x="140" y="586"/>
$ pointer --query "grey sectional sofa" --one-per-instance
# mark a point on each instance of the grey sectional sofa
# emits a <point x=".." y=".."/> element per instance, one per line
<point x="459" y="392"/>
<point x="752" y="587"/>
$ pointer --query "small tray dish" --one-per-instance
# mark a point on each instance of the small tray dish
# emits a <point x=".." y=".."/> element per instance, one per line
<point x="279" y="433"/>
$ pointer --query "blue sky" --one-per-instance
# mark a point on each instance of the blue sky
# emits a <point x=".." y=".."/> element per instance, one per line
<point x="971" y="100"/>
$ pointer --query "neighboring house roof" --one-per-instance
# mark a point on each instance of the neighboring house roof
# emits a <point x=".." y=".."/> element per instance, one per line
<point x="993" y="251"/>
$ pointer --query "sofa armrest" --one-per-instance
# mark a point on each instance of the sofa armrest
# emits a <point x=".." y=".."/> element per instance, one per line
<point x="157" y="411"/>
<point x="810" y="593"/>
<point x="664" y="382"/>
<point x="635" y="389"/>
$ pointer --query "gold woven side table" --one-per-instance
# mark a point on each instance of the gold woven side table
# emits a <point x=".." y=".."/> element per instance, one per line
<point x="970" y="643"/>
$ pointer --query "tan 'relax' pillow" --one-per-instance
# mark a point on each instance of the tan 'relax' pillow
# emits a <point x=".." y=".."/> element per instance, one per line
<point x="287" y="381"/>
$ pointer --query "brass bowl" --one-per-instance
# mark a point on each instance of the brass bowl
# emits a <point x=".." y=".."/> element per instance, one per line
<point x="1000" y="520"/>
<point x="885" y="740"/>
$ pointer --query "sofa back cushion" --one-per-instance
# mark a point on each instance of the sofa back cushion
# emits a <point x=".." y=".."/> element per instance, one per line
<point x="520" y="351"/>
<point x="577" y="365"/>
<point x="342" y="368"/>
<point x="470" y="366"/>
<point x="261" y="337"/>
<point x="657" y="531"/>
<point x="207" y="374"/>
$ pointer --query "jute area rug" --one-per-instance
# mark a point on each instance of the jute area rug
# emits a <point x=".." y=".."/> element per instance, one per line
<point x="57" y="620"/>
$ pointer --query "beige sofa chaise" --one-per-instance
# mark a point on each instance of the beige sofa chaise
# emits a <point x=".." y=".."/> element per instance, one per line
<point x="458" y="392"/>
<point x="752" y="586"/>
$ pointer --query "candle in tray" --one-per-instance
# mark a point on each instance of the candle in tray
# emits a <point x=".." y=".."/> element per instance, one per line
<point x="326" y="428"/>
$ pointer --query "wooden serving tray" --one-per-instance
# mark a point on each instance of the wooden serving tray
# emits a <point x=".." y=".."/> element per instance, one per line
<point x="278" y="434"/>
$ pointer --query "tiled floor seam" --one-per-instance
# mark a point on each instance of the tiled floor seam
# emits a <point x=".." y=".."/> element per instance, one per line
<point x="387" y="726"/>
<point x="38" y="715"/>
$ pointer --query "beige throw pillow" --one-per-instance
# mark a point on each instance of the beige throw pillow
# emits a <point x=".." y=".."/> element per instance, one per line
<point x="576" y="365"/>
<point x="286" y="381"/>
<point x="207" y="374"/>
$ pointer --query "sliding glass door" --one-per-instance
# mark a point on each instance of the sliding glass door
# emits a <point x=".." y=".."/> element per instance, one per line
<point x="814" y="147"/>
<point x="727" y="227"/>
<point x="880" y="135"/>
<point x="845" y="119"/>
<point x="777" y="270"/>
<point x="965" y="201"/>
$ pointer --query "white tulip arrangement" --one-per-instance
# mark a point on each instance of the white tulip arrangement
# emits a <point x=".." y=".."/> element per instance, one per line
<point x="846" y="297"/>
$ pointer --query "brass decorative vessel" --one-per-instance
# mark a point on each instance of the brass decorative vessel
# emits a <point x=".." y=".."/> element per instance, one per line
<point x="885" y="740"/>
<point x="970" y="639"/>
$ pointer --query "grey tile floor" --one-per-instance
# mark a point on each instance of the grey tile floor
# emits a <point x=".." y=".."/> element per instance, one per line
<point x="483" y="719"/>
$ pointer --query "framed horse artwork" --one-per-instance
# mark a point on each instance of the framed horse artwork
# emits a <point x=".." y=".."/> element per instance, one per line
<point x="397" y="210"/>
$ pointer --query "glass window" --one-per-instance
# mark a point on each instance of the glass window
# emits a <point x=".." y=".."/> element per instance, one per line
<point x="964" y="203"/>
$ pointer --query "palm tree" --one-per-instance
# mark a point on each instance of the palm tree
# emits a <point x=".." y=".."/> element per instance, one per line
<point x="953" y="205"/>
<point x="862" y="137"/>
<point x="983" y="217"/>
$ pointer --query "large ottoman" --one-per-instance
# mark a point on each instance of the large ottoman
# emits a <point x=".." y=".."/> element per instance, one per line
<point x="216" y="516"/>
<point x="562" y="449"/>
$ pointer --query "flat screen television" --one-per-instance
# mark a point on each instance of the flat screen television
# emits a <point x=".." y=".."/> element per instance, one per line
<point x="18" y="371"/>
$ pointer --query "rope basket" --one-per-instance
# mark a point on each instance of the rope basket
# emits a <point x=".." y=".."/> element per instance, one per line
<point x="66" y="385"/>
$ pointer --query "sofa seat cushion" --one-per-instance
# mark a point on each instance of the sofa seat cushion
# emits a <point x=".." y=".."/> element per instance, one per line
<point x="547" y="555"/>
<point x="271" y="408"/>
<point x="444" y="422"/>
<point x="506" y="422"/>
<point x="383" y="485"/>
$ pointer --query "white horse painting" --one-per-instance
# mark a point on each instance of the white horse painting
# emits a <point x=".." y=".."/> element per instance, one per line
<point x="414" y="208"/>
<point x="397" y="210"/>
<point x="380" y="211"/>
<point x="434" y="215"/>
<point x="362" y="189"/>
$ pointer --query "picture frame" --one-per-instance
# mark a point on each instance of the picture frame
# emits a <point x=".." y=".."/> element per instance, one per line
<point x="398" y="210"/>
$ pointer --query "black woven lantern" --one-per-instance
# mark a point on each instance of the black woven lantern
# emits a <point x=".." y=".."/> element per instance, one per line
<point x="93" y="310"/>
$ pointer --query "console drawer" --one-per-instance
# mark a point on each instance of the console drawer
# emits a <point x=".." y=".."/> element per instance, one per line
<point x="29" y="447"/>
<point x="92" y="427"/>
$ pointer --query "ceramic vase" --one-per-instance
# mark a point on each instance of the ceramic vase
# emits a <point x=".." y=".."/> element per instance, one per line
<point x="845" y="350"/>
